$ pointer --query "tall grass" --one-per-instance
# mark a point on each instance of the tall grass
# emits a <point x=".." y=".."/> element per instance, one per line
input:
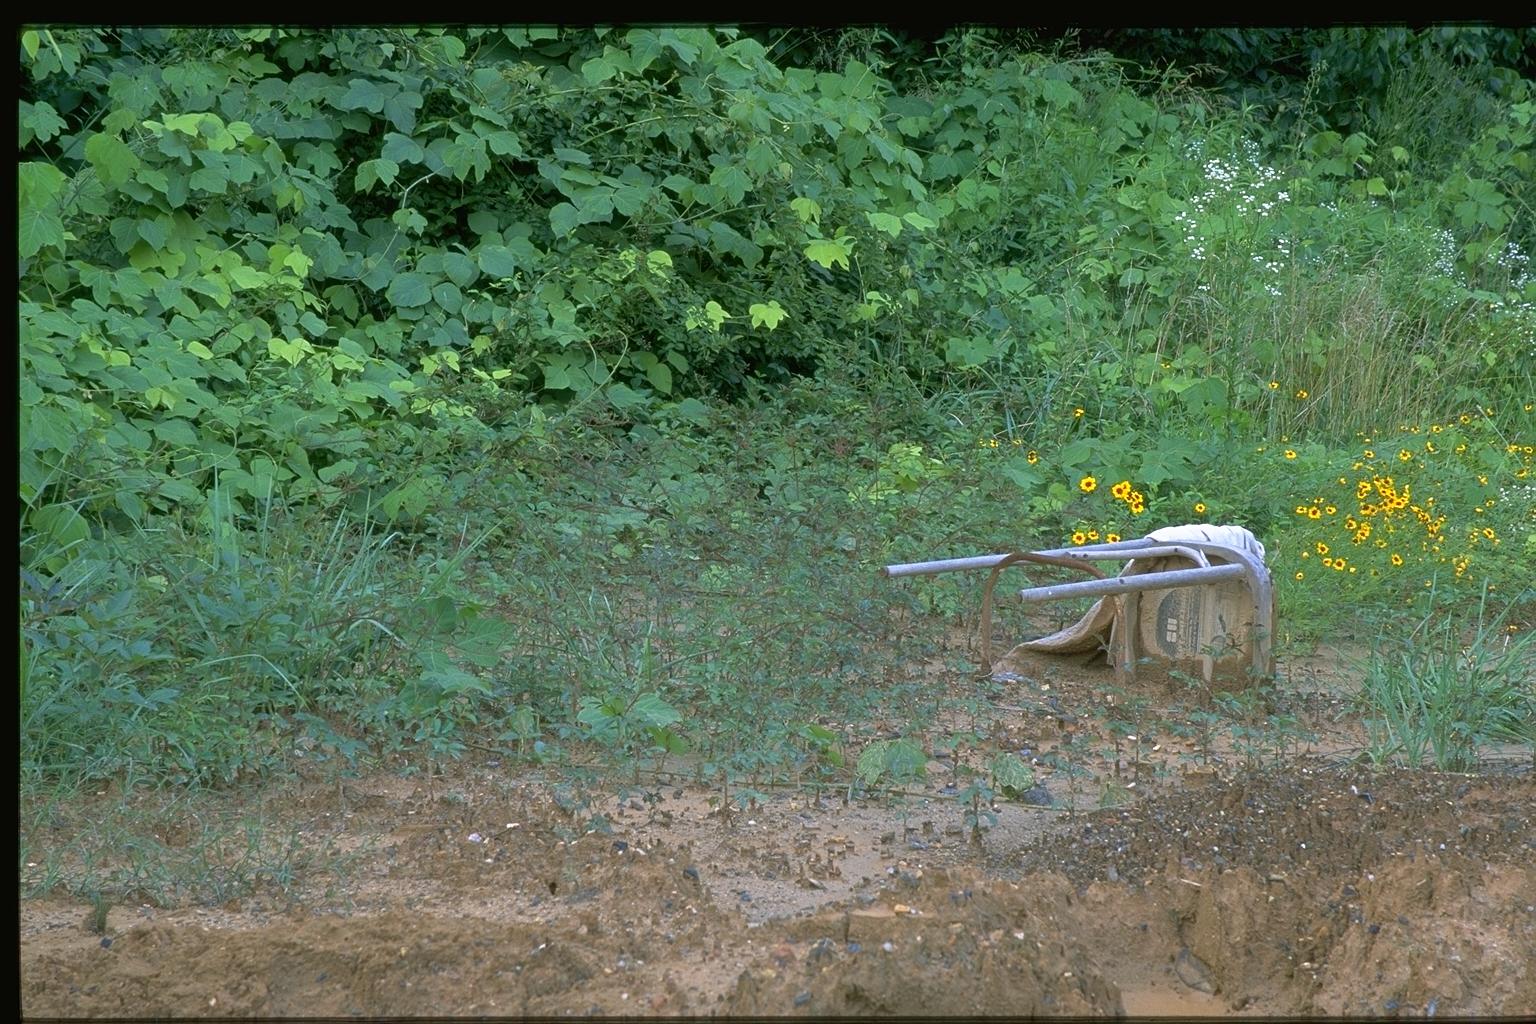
<point x="1445" y="689"/>
<point x="186" y="650"/>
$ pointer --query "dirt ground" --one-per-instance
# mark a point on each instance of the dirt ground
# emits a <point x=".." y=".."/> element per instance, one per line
<point x="1184" y="871"/>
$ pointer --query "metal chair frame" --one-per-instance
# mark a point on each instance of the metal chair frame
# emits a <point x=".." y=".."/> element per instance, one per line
<point x="1232" y="563"/>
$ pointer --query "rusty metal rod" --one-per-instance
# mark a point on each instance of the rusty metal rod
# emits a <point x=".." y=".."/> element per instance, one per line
<point x="1143" y="581"/>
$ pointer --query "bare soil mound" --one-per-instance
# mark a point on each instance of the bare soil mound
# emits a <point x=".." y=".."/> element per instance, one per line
<point x="1313" y="890"/>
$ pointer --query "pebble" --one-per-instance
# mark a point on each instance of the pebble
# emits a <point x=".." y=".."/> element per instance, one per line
<point x="1193" y="972"/>
<point x="691" y="872"/>
<point x="801" y="998"/>
<point x="1038" y="796"/>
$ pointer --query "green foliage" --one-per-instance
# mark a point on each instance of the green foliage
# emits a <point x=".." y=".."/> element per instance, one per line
<point x="1341" y="77"/>
<point x="690" y="328"/>
<point x="612" y="720"/>
<point x="891" y="762"/>
<point x="1011" y="775"/>
<point x="272" y="254"/>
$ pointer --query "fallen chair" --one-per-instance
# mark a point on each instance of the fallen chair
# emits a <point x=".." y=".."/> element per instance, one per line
<point x="1197" y="593"/>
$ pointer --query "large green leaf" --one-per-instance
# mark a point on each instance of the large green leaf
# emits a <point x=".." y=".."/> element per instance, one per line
<point x="829" y="252"/>
<point x="410" y="290"/>
<point x="651" y="709"/>
<point x="111" y="157"/>
<point x="766" y="314"/>
<point x="894" y="761"/>
<point x="401" y="149"/>
<point x="401" y="109"/>
<point x="37" y="228"/>
<point x="41" y="120"/>
<point x="363" y="94"/>
<point x="496" y="260"/>
<point x="563" y="218"/>
<point x="1012" y="776"/>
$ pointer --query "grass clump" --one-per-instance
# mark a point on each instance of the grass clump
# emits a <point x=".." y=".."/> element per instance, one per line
<point x="1433" y="696"/>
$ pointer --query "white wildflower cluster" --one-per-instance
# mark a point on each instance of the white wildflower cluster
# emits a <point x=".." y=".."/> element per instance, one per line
<point x="1244" y="184"/>
<point x="1445" y="254"/>
<point x="1191" y="228"/>
<point x="1521" y="493"/>
<point x="1513" y="260"/>
<point x="1522" y="310"/>
<point x="1273" y="267"/>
